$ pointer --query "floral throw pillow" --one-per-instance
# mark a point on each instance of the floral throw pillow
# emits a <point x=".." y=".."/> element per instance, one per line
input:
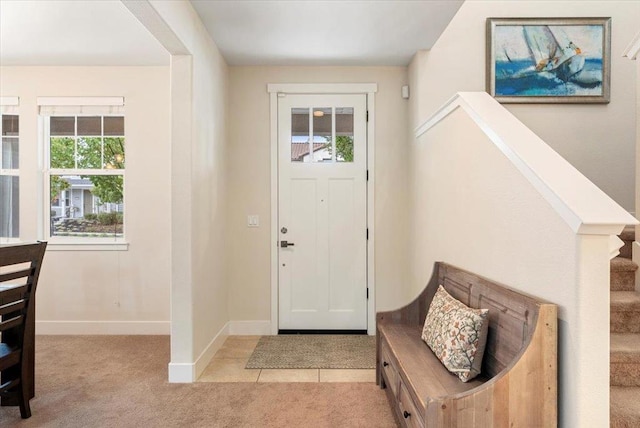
<point x="456" y="334"/>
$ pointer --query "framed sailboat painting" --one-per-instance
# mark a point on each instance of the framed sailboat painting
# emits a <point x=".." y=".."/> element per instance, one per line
<point x="549" y="60"/>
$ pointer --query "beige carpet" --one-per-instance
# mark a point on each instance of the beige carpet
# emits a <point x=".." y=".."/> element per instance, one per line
<point x="121" y="381"/>
<point x="314" y="352"/>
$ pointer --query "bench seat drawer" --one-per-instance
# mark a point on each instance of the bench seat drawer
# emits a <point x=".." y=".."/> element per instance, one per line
<point x="408" y="410"/>
<point x="389" y="368"/>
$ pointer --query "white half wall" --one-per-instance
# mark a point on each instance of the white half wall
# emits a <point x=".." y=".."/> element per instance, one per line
<point x="87" y="292"/>
<point x="199" y="100"/>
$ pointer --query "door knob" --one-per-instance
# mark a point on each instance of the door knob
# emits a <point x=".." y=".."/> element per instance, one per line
<point x="285" y="244"/>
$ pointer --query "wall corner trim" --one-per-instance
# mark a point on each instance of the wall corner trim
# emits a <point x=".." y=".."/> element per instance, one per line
<point x="581" y="204"/>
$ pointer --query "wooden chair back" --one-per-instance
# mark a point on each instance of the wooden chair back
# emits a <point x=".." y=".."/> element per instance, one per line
<point x="19" y="272"/>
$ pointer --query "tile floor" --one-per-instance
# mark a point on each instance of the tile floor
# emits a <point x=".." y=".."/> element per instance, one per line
<point x="228" y="364"/>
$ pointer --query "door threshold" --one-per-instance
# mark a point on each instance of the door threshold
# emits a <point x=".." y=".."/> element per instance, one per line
<point x="322" y="332"/>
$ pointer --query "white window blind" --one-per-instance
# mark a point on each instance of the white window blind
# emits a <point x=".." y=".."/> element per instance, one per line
<point x="9" y="105"/>
<point x="64" y="106"/>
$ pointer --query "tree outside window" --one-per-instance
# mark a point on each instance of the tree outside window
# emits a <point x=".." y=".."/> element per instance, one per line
<point x="86" y="176"/>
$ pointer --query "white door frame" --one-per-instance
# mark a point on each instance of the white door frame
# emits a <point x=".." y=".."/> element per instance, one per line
<point x="369" y="89"/>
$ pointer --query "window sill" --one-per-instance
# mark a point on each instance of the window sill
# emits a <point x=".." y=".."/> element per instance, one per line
<point x="9" y="241"/>
<point x="87" y="246"/>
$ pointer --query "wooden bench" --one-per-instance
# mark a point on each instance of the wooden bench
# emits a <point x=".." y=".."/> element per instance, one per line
<point x="518" y="383"/>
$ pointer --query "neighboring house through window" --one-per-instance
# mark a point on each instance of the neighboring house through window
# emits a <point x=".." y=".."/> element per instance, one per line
<point x="84" y="170"/>
<point x="9" y="170"/>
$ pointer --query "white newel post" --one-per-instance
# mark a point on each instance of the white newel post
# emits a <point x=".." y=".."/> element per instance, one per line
<point x="592" y="319"/>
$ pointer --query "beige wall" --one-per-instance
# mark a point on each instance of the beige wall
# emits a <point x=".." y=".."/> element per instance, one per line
<point x="249" y="181"/>
<point x="84" y="291"/>
<point x="599" y="140"/>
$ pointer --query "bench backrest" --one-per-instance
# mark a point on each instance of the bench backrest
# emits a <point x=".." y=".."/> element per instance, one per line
<point x="512" y="315"/>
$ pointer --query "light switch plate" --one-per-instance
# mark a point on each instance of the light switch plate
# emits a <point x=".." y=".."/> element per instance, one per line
<point x="253" y="220"/>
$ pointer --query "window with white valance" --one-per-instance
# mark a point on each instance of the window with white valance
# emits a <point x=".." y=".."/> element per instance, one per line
<point x="84" y="168"/>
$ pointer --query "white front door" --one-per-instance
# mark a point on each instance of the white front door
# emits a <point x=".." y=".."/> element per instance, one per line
<point x="322" y="205"/>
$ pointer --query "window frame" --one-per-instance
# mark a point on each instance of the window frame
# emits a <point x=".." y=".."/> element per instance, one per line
<point x="70" y="243"/>
<point x="9" y="107"/>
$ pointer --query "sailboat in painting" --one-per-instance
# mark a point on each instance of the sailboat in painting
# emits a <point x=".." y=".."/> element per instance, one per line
<point x="549" y="63"/>
<point x="563" y="60"/>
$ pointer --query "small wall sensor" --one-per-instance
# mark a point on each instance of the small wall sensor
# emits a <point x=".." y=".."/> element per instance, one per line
<point x="405" y="92"/>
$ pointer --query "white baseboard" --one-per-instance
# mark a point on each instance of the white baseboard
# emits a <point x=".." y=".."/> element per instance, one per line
<point x="207" y="355"/>
<point x="250" y="328"/>
<point x="103" y="327"/>
<point x="181" y="373"/>
<point x="189" y="372"/>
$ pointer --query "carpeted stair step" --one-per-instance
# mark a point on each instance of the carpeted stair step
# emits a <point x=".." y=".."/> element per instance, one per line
<point x="625" y="411"/>
<point x="625" y="359"/>
<point x="623" y="274"/>
<point x="625" y="312"/>
<point x="625" y="338"/>
<point x="628" y="235"/>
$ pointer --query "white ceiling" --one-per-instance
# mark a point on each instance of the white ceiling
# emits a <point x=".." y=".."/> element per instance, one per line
<point x="81" y="32"/>
<point x="311" y="32"/>
<point x="248" y="32"/>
